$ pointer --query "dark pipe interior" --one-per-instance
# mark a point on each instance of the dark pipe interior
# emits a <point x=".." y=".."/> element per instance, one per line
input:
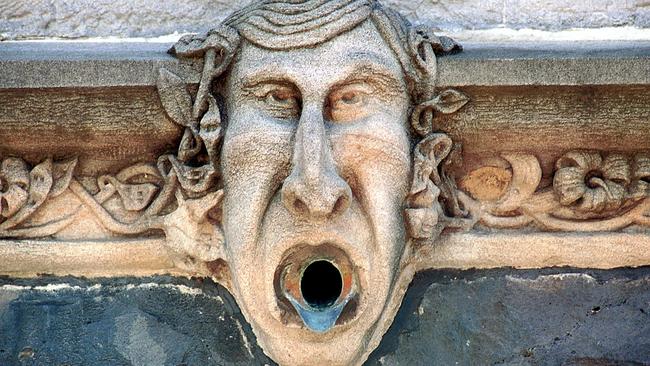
<point x="321" y="284"/>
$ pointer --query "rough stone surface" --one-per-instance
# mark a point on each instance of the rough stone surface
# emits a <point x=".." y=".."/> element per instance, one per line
<point x="504" y="317"/>
<point x="149" y="321"/>
<point x="123" y="18"/>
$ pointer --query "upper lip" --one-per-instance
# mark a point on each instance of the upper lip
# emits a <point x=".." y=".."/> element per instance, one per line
<point x="315" y="238"/>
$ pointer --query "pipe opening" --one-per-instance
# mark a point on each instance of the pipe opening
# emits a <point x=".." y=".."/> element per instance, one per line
<point x="321" y="284"/>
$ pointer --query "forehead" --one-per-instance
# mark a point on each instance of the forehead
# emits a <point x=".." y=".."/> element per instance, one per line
<point x="362" y="46"/>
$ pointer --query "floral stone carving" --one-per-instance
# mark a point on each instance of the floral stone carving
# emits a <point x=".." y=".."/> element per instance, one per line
<point x="590" y="191"/>
<point x="24" y="190"/>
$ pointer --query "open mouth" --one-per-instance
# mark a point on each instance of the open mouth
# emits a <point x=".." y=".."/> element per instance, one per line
<point x="317" y="287"/>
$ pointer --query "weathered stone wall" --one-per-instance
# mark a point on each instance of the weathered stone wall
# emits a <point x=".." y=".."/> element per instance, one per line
<point x="510" y="317"/>
<point x="124" y="321"/>
<point x="535" y="317"/>
<point x="142" y="18"/>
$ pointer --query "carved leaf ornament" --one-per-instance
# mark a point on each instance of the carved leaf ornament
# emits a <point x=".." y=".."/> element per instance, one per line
<point x="422" y="47"/>
<point x="447" y="102"/>
<point x="14" y="183"/>
<point x="23" y="191"/>
<point x="176" y="196"/>
<point x="175" y="98"/>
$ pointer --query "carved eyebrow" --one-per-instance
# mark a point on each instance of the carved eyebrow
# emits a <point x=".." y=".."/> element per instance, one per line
<point x="376" y="66"/>
<point x="378" y="76"/>
<point x="265" y="76"/>
<point x="368" y="67"/>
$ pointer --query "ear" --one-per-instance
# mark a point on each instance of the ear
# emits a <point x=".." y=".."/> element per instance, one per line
<point x="423" y="211"/>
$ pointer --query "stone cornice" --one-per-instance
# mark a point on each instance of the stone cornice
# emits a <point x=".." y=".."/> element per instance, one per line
<point x="86" y="64"/>
<point x="30" y="258"/>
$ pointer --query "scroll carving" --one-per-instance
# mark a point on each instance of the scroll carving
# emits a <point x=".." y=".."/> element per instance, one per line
<point x="433" y="203"/>
<point x="590" y="191"/>
<point x="180" y="194"/>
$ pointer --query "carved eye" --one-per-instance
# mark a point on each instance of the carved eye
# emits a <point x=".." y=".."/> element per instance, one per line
<point x="280" y="96"/>
<point x="283" y="102"/>
<point x="349" y="103"/>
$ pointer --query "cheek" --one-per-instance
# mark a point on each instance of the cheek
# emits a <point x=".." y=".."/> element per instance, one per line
<point x="255" y="159"/>
<point x="374" y="153"/>
<point x="378" y="168"/>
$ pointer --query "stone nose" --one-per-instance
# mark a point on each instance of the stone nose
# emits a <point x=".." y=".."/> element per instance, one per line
<point x="314" y="189"/>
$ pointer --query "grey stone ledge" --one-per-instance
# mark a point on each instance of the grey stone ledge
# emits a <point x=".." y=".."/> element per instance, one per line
<point x="87" y="64"/>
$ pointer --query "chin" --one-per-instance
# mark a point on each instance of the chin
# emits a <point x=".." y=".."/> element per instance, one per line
<point x="346" y="343"/>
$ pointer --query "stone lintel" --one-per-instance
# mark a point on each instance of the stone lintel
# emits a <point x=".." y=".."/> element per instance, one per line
<point x="525" y="250"/>
<point x="30" y="258"/>
<point x="144" y="257"/>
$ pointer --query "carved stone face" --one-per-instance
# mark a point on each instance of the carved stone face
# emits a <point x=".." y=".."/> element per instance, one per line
<point x="316" y="167"/>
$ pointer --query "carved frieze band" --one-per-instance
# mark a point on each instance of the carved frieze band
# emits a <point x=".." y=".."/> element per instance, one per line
<point x="142" y="198"/>
<point x="589" y="191"/>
